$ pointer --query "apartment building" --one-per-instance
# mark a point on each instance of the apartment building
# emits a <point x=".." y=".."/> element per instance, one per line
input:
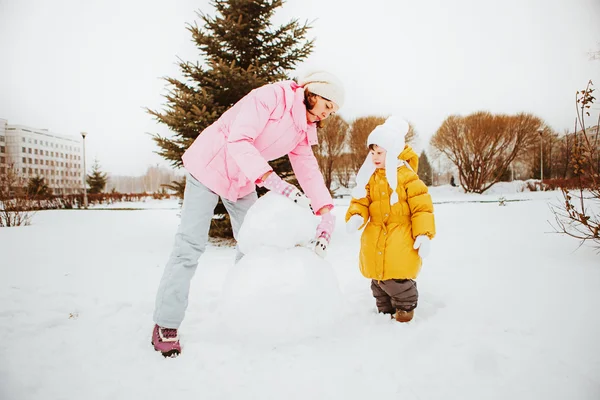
<point x="40" y="153"/>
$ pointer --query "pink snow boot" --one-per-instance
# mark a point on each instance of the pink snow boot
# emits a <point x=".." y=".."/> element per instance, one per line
<point x="166" y="341"/>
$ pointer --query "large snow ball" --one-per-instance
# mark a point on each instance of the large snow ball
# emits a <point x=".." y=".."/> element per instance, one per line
<point x="280" y="295"/>
<point x="276" y="221"/>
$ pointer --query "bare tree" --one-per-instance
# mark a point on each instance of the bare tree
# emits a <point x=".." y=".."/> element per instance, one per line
<point x="332" y="140"/>
<point x="578" y="216"/>
<point x="482" y="145"/>
<point x="16" y="208"/>
<point x="551" y="152"/>
<point x="411" y="136"/>
<point x="344" y="170"/>
<point x="360" y="129"/>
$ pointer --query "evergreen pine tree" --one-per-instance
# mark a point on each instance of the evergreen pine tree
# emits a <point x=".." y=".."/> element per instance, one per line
<point x="97" y="180"/>
<point x="425" y="171"/>
<point x="242" y="50"/>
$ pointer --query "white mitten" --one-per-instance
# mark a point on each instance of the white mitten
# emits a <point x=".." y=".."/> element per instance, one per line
<point x="423" y="245"/>
<point x="324" y="231"/>
<point x="278" y="185"/>
<point x="354" y="223"/>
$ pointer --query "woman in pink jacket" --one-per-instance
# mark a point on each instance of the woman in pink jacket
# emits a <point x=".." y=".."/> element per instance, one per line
<point x="228" y="160"/>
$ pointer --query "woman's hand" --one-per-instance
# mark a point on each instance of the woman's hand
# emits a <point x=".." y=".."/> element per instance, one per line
<point x="275" y="184"/>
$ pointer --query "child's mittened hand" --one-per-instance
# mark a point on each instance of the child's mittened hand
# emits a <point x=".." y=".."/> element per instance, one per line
<point x="324" y="231"/>
<point x="354" y="223"/>
<point x="423" y="245"/>
<point x="278" y="185"/>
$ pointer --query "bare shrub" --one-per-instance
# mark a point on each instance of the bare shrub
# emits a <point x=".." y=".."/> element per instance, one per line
<point x="16" y="207"/>
<point x="579" y="215"/>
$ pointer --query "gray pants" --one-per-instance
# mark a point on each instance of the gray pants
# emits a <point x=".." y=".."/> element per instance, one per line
<point x="190" y="242"/>
<point x="394" y="294"/>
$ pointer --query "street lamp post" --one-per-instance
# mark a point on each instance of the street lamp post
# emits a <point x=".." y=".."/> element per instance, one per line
<point x="85" y="200"/>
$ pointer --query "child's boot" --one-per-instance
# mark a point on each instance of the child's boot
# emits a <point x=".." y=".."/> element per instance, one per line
<point x="166" y="341"/>
<point x="404" y="316"/>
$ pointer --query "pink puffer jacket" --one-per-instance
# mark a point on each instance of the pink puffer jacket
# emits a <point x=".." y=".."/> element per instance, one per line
<point x="231" y="155"/>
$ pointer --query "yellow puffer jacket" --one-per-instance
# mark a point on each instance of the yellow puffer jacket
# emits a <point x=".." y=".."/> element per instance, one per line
<point x="386" y="250"/>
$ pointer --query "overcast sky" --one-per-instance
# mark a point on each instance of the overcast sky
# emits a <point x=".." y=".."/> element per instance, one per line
<point x="94" y="65"/>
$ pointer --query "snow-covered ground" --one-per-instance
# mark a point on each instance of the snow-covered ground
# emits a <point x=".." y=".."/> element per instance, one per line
<point x="508" y="310"/>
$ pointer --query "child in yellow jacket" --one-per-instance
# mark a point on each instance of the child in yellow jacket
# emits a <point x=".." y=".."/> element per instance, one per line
<point x="397" y="210"/>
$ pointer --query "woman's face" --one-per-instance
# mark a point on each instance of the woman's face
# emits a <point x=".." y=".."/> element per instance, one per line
<point x="322" y="109"/>
<point x="378" y="156"/>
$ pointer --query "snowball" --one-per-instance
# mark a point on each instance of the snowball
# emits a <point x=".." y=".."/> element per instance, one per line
<point x="276" y="221"/>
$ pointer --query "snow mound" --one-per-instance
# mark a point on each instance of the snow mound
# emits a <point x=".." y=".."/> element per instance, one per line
<point x="281" y="290"/>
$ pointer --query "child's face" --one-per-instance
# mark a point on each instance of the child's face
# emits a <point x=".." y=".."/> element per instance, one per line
<point x="378" y="156"/>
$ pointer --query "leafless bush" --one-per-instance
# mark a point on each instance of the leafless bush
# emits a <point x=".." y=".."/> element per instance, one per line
<point x="344" y="170"/>
<point x="332" y="140"/>
<point x="16" y="208"/>
<point x="579" y="215"/>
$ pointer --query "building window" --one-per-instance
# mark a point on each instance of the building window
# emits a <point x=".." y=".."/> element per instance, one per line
<point x="30" y="162"/>
<point x="29" y="150"/>
<point x="31" y="170"/>
<point x="24" y="150"/>
<point x="2" y="139"/>
<point x="35" y="141"/>
<point x="2" y="149"/>
<point x="35" y="151"/>
<point x="36" y="171"/>
<point x="24" y="160"/>
<point x="24" y="170"/>
<point x="2" y="160"/>
<point x="46" y="152"/>
<point x="36" y="161"/>
<point x="22" y="139"/>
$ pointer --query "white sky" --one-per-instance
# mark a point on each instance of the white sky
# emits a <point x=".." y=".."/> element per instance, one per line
<point x="94" y="65"/>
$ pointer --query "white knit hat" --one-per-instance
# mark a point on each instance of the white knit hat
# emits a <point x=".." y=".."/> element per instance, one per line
<point x="390" y="136"/>
<point x="325" y="85"/>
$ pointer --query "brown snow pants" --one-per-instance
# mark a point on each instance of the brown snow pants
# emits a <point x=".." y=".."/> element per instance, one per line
<point x="394" y="294"/>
